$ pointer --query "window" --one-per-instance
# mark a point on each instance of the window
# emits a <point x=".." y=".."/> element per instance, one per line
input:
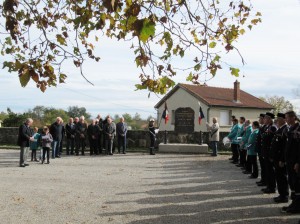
<point x="173" y="117"/>
<point x="224" y="118"/>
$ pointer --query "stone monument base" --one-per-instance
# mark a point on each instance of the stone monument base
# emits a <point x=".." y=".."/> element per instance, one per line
<point x="183" y="148"/>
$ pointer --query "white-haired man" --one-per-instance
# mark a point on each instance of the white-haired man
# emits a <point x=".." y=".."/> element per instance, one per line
<point x="56" y="130"/>
<point x="24" y="137"/>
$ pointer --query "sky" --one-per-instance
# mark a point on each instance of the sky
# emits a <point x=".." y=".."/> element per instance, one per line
<point x="271" y="51"/>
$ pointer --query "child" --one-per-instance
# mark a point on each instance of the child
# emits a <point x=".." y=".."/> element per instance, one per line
<point x="34" y="145"/>
<point x="46" y="143"/>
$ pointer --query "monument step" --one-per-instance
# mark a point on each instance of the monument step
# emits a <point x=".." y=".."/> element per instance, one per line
<point x="183" y="148"/>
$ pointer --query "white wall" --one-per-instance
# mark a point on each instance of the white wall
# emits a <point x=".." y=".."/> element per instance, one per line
<point x="182" y="99"/>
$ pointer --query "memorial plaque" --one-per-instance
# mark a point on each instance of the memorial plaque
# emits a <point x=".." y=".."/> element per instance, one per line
<point x="184" y="120"/>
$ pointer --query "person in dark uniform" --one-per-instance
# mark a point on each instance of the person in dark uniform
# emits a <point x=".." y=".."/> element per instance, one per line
<point x="63" y="133"/>
<point x="277" y="157"/>
<point x="152" y="133"/>
<point x="101" y="137"/>
<point x="80" y="137"/>
<point x="121" y="134"/>
<point x="292" y="159"/>
<point x="266" y="141"/>
<point x="24" y="137"/>
<point x="93" y="135"/>
<point x="262" y="128"/>
<point x="109" y="130"/>
<point x="70" y="134"/>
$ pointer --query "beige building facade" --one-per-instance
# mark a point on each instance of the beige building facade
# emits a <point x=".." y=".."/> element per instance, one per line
<point x="189" y="96"/>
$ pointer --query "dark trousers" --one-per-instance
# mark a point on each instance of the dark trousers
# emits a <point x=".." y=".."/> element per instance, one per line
<point x="294" y="182"/>
<point x="281" y="180"/>
<point x="93" y="146"/>
<point x="262" y="168"/>
<point x="270" y="174"/>
<point x="46" y="150"/>
<point x="33" y="154"/>
<point x="121" y="143"/>
<point x="243" y="155"/>
<point x="253" y="166"/>
<point x="80" y="143"/>
<point x="248" y="165"/>
<point x="70" y="143"/>
<point x="235" y="152"/>
<point x="100" y="142"/>
<point x="61" y="146"/>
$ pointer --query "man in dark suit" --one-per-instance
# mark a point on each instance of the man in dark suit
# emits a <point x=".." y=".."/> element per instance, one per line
<point x="101" y="137"/>
<point x="292" y="156"/>
<point x="70" y="132"/>
<point x="266" y="140"/>
<point x="24" y="137"/>
<point x="93" y="135"/>
<point x="121" y="133"/>
<point x="278" y="158"/>
<point x="56" y="130"/>
<point x="81" y="135"/>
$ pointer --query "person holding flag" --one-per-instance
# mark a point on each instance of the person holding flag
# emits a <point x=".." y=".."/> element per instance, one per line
<point x="152" y="133"/>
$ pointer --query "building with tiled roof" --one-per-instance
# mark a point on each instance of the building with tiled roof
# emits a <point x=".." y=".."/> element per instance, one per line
<point x="221" y="103"/>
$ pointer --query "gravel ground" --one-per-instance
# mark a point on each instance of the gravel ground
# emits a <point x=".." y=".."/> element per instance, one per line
<point x="133" y="188"/>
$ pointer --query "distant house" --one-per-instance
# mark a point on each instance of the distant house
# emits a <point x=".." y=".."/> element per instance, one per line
<point x="184" y="102"/>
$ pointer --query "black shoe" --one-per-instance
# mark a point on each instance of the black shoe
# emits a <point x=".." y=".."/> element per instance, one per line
<point x="239" y="165"/>
<point x="269" y="191"/>
<point x="110" y="154"/>
<point x="43" y="161"/>
<point x="152" y="153"/>
<point x="230" y="159"/>
<point x="26" y="164"/>
<point x="235" y="162"/>
<point x="22" y="165"/>
<point x="261" y="185"/>
<point x="281" y="199"/>
<point x="264" y="189"/>
<point x="58" y="156"/>
<point x="246" y="172"/>
<point x="48" y="162"/>
<point x="124" y="152"/>
<point x="252" y="177"/>
<point x="258" y="182"/>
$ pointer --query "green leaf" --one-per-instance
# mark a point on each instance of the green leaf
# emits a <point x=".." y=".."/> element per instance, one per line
<point x="140" y="87"/>
<point x="190" y="77"/>
<point x="197" y="67"/>
<point x="60" y="39"/>
<point x="147" y="31"/>
<point x="24" y="78"/>
<point x="212" y="44"/>
<point x="235" y="71"/>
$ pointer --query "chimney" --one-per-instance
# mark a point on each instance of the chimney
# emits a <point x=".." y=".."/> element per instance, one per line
<point x="236" y="92"/>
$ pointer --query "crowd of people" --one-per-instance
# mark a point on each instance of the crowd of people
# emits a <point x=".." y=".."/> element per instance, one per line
<point x="100" y="133"/>
<point x="275" y="143"/>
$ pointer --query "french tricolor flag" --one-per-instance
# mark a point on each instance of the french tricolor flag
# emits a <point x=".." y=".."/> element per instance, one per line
<point x="165" y="114"/>
<point x="201" y="115"/>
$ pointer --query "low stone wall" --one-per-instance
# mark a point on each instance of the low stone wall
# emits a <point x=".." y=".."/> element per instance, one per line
<point x="135" y="139"/>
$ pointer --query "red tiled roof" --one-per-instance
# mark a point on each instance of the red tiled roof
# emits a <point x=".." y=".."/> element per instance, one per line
<point x="216" y="96"/>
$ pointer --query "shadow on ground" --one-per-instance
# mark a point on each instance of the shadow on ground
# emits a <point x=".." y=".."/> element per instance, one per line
<point x="192" y="191"/>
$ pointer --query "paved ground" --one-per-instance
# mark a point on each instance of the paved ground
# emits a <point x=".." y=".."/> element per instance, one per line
<point x="132" y="188"/>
